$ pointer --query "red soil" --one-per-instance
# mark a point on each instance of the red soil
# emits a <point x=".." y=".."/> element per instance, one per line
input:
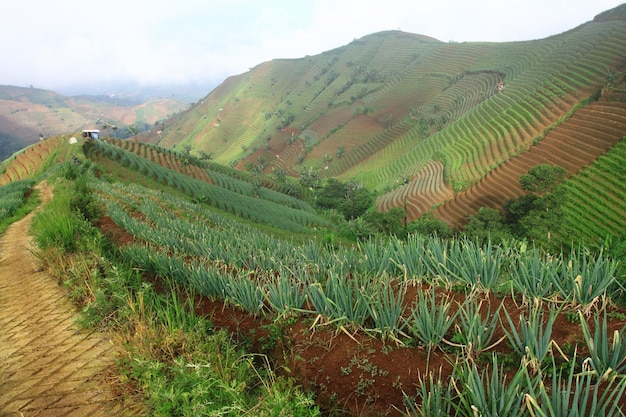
<point x="354" y="373"/>
<point x="423" y="191"/>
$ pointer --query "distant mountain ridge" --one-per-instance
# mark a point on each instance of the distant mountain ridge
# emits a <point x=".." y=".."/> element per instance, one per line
<point x="405" y="113"/>
<point x="25" y="113"/>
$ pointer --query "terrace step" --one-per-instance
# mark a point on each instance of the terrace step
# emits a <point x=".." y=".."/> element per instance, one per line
<point x="572" y="145"/>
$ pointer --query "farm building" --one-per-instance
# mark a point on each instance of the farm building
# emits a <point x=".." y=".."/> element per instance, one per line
<point x="91" y="133"/>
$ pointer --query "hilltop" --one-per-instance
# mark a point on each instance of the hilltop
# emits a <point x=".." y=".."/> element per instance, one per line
<point x="421" y="122"/>
<point x="25" y="113"/>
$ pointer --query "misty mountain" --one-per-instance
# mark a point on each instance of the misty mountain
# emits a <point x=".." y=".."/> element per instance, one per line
<point x="26" y="113"/>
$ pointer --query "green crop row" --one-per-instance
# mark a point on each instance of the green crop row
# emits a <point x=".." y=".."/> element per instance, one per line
<point x="12" y="197"/>
<point x="366" y="287"/>
<point x="589" y="208"/>
<point x="247" y="207"/>
<point x="455" y="263"/>
<point x="247" y="188"/>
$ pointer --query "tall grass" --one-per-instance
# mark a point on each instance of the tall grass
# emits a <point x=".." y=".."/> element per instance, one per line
<point x="58" y="226"/>
<point x="12" y="201"/>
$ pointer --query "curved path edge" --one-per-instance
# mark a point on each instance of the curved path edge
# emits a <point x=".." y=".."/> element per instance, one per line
<point x="48" y="365"/>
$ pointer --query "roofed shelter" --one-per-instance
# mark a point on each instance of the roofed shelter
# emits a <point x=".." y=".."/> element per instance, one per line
<point x="91" y="133"/>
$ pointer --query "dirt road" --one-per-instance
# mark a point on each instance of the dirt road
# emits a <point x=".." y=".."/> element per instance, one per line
<point x="48" y="366"/>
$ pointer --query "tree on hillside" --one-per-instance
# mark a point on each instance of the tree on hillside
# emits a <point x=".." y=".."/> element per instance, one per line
<point x="542" y="178"/>
<point x="279" y="174"/>
<point x="487" y="225"/>
<point x="516" y="209"/>
<point x="309" y="177"/>
<point x="106" y="126"/>
<point x="331" y="195"/>
<point x="427" y="224"/>
<point x="350" y="199"/>
<point x="537" y="218"/>
<point x="389" y="223"/>
<point x="133" y="129"/>
<point x="187" y="153"/>
<point x="204" y="156"/>
<point x="359" y="199"/>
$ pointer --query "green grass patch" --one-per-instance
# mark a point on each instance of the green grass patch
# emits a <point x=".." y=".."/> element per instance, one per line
<point x="16" y="201"/>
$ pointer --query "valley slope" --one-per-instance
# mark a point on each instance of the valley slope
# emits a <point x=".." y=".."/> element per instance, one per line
<point x="25" y="113"/>
<point x="421" y="122"/>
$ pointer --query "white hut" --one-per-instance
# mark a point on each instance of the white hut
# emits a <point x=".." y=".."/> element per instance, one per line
<point x="91" y="133"/>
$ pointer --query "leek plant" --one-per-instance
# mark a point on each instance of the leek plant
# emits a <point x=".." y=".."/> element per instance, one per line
<point x="430" y="320"/>
<point x="477" y="266"/>
<point x="284" y="295"/>
<point x="386" y="309"/>
<point x="584" y="279"/>
<point x="409" y="257"/>
<point x="244" y="291"/>
<point x="341" y="301"/>
<point x="376" y="256"/>
<point x="209" y="281"/>
<point x="489" y="394"/>
<point x="439" y="265"/>
<point x="437" y="398"/>
<point x="533" y="340"/>
<point x="474" y="332"/>
<point x="533" y="276"/>
<point x="575" y="395"/>
<point x="607" y="357"/>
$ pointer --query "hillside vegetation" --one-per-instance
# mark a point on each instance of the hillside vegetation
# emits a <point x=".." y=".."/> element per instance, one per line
<point x="25" y="113"/>
<point x="240" y="267"/>
<point x="421" y="121"/>
<point x="221" y="291"/>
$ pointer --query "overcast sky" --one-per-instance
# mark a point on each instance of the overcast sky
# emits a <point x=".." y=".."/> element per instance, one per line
<point x="65" y="44"/>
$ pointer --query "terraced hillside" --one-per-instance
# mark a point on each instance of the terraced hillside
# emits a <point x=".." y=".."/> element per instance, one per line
<point x="213" y="186"/>
<point x="596" y="203"/>
<point x="574" y="144"/>
<point x="31" y="160"/>
<point x="392" y="108"/>
<point x="419" y="194"/>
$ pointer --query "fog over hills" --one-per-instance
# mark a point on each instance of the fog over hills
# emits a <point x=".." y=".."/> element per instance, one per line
<point x="28" y="112"/>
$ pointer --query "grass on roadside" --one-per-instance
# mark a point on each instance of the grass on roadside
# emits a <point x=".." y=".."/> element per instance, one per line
<point x="173" y="361"/>
<point x="16" y="201"/>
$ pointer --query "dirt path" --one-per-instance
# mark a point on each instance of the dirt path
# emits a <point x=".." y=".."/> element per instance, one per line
<point x="48" y="366"/>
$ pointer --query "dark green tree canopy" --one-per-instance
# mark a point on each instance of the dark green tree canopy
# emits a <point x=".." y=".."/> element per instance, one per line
<point x="350" y="199"/>
<point x="542" y="178"/>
